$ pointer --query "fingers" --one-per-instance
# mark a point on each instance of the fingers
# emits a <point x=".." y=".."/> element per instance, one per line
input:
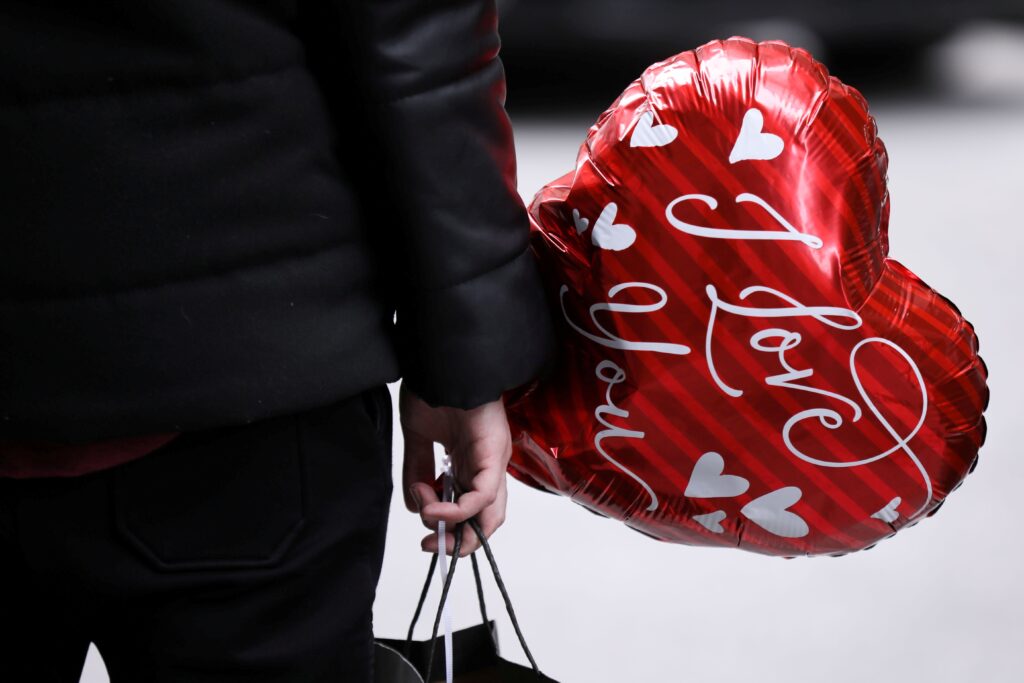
<point x="490" y="518"/>
<point x="485" y="461"/>
<point x="428" y="497"/>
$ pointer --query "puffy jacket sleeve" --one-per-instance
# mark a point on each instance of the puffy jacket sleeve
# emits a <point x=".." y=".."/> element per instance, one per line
<point x="472" y="320"/>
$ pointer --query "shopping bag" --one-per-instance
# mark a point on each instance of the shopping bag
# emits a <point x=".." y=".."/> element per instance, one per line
<point x="475" y="653"/>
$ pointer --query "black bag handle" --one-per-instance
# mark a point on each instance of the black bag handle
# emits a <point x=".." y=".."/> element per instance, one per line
<point x="480" y="598"/>
<point x="423" y="596"/>
<point x="475" y="525"/>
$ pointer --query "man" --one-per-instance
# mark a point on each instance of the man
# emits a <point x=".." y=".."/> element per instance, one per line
<point x="212" y="211"/>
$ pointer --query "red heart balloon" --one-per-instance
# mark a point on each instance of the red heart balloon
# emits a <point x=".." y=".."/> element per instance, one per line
<point x="741" y="362"/>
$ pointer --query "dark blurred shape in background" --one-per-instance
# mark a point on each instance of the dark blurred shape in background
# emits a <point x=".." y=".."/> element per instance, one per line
<point x="563" y="54"/>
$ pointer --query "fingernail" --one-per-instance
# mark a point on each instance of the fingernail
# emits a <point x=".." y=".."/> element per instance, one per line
<point x="416" y="498"/>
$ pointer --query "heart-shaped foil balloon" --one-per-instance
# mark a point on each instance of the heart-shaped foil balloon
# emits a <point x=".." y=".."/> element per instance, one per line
<point x="741" y="363"/>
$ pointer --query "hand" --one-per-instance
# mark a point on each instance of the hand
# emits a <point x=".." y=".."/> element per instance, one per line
<point x="479" y="445"/>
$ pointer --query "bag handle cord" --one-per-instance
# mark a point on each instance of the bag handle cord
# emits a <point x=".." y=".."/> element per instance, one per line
<point x="475" y="525"/>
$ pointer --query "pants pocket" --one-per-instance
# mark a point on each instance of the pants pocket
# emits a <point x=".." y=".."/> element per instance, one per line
<point x="227" y="498"/>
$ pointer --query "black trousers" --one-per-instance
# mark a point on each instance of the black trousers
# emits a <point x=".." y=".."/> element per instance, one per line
<point x="243" y="553"/>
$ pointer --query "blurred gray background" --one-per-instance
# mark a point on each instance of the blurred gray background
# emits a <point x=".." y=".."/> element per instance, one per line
<point x="941" y="602"/>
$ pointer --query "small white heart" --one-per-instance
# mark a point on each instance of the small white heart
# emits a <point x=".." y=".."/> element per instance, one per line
<point x="707" y="480"/>
<point x="646" y="134"/>
<point x="769" y="512"/>
<point x="581" y="223"/>
<point x="610" y="235"/>
<point x="889" y="513"/>
<point x="752" y="143"/>
<point x="711" y="521"/>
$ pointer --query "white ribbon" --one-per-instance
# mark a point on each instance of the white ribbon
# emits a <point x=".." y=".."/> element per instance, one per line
<point x="446" y="615"/>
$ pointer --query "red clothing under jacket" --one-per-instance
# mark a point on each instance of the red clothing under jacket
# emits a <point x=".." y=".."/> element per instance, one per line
<point x="23" y="459"/>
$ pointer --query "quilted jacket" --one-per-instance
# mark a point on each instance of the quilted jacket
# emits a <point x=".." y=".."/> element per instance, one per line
<point x="211" y="211"/>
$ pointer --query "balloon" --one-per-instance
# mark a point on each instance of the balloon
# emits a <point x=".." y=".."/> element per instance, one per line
<point x="741" y="363"/>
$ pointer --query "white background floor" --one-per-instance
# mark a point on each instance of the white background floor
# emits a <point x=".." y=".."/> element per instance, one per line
<point x="941" y="602"/>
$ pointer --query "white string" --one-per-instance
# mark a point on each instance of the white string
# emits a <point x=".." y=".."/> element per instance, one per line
<point x="446" y="614"/>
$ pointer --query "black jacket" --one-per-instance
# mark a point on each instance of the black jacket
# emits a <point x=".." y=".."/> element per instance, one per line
<point x="211" y="209"/>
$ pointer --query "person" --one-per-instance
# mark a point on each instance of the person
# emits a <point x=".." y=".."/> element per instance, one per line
<point x="227" y="225"/>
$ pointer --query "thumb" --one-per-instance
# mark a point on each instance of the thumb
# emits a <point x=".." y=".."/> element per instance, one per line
<point x="417" y="467"/>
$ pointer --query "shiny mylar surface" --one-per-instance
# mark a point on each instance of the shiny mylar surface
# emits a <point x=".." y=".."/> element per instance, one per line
<point x="740" y="362"/>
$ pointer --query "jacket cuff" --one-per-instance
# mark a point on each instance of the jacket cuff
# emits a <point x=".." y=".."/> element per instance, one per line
<point x="464" y="345"/>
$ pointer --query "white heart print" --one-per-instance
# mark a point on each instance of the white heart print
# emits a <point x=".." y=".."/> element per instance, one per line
<point x="712" y="521"/>
<point x="580" y="222"/>
<point x="752" y="142"/>
<point x="769" y="512"/>
<point x="646" y="134"/>
<point x="889" y="513"/>
<point x="707" y="480"/>
<point x="610" y="235"/>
